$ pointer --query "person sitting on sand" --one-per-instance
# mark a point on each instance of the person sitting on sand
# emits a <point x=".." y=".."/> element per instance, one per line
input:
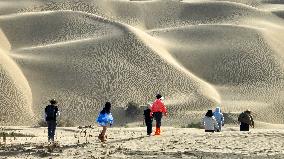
<point x="219" y="117"/>
<point x="105" y="118"/>
<point x="209" y="122"/>
<point x="148" y="119"/>
<point x="246" y="120"/>
<point x="51" y="113"/>
<point x="158" y="109"/>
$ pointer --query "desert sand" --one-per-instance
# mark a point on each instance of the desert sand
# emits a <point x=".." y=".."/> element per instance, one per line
<point x="133" y="143"/>
<point x="198" y="54"/>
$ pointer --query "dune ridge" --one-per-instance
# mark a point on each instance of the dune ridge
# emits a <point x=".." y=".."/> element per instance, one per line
<point x="197" y="54"/>
<point x="16" y="95"/>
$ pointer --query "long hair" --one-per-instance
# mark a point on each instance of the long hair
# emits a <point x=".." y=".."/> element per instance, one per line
<point x="106" y="109"/>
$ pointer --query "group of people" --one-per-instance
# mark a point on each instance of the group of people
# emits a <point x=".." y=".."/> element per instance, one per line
<point x="212" y="122"/>
<point x="155" y="110"/>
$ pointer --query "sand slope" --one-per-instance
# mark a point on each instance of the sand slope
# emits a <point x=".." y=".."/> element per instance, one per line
<point x="16" y="96"/>
<point x="196" y="53"/>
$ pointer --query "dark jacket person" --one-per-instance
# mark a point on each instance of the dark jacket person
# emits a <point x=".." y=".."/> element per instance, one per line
<point x="51" y="112"/>
<point x="246" y="120"/>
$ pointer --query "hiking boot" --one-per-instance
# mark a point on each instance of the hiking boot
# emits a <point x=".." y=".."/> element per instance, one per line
<point x="158" y="131"/>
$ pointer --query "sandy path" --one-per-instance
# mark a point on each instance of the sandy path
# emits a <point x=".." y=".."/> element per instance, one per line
<point x="133" y="143"/>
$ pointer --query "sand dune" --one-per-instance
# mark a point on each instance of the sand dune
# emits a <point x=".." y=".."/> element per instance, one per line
<point x="16" y="95"/>
<point x="104" y="76"/>
<point x="4" y="43"/>
<point x="196" y="53"/>
<point x="273" y="1"/>
<point x="69" y="26"/>
<point x="247" y="50"/>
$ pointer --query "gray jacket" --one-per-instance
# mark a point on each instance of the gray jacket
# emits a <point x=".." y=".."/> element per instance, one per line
<point x="210" y="123"/>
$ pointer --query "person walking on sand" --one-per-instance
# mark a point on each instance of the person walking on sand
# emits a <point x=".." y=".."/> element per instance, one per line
<point x="158" y="109"/>
<point x="105" y="118"/>
<point x="246" y="120"/>
<point x="51" y="113"/>
<point x="148" y="117"/>
<point x="219" y="117"/>
<point x="209" y="122"/>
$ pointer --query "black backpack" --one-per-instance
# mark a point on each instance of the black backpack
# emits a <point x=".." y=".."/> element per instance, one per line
<point x="50" y="112"/>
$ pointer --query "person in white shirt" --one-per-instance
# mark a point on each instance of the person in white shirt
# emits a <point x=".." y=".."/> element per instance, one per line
<point x="209" y="122"/>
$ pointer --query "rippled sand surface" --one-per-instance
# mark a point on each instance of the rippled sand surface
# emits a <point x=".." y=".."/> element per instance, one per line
<point x="198" y="54"/>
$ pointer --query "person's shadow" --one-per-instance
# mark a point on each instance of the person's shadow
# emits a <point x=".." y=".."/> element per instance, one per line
<point x="127" y="139"/>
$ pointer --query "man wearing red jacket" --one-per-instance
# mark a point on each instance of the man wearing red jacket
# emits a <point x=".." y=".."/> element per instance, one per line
<point x="158" y="109"/>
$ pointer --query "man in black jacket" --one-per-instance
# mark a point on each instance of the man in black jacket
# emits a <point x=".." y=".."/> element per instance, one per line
<point x="51" y="112"/>
<point x="246" y="120"/>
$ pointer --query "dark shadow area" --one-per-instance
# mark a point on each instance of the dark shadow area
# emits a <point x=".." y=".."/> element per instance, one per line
<point x="38" y="150"/>
<point x="127" y="139"/>
<point x="196" y="154"/>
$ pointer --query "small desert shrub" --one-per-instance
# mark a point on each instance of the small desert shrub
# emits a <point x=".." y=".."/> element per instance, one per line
<point x="60" y="123"/>
<point x="231" y="118"/>
<point x="42" y="123"/>
<point x="132" y="109"/>
<point x="193" y="125"/>
<point x="12" y="134"/>
<point x="141" y="125"/>
<point x="65" y="123"/>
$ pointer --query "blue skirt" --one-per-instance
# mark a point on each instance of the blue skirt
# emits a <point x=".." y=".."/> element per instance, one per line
<point x="104" y="119"/>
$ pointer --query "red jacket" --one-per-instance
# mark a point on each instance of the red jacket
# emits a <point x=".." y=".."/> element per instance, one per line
<point x="158" y="106"/>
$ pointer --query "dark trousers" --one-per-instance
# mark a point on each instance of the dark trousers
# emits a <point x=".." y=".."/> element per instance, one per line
<point x="158" y="117"/>
<point x="149" y="126"/>
<point x="51" y="126"/>
<point x="244" y="127"/>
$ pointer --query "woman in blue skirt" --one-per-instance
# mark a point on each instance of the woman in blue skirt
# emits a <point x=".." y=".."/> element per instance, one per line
<point x="104" y="119"/>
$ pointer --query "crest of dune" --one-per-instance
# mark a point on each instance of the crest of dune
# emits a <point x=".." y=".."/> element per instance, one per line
<point x="198" y="54"/>
<point x="4" y="43"/>
<point x="16" y="96"/>
<point x="157" y="46"/>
